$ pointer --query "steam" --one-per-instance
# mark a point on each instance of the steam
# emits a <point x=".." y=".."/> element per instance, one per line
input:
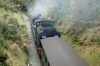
<point x="62" y="10"/>
<point x="41" y="7"/>
<point x="47" y="7"/>
<point x="38" y="9"/>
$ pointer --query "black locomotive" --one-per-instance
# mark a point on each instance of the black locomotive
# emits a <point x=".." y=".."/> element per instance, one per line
<point x="43" y="28"/>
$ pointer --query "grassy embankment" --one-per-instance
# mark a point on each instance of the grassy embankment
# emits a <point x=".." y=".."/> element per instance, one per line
<point x="14" y="40"/>
<point x="87" y="44"/>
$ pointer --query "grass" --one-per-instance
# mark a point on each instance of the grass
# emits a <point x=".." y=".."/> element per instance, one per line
<point x="9" y="20"/>
<point x="90" y="52"/>
<point x="17" y="60"/>
<point x="15" y="15"/>
<point x="2" y="11"/>
<point x="19" y="18"/>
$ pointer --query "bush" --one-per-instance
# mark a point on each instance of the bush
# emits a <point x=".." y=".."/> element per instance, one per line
<point x="15" y="49"/>
<point x="5" y="15"/>
<point x="3" y="55"/>
<point x="4" y="44"/>
<point x="3" y="64"/>
<point x="24" y="8"/>
<point x="10" y="31"/>
<point x="4" y="27"/>
<point x="13" y="22"/>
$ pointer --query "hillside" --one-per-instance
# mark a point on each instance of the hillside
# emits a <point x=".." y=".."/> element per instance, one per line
<point x="14" y="40"/>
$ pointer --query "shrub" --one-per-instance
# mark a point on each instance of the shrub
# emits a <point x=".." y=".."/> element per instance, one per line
<point x="3" y="55"/>
<point x="15" y="49"/>
<point x="5" y="15"/>
<point x="9" y="30"/>
<point x="4" y="27"/>
<point x="3" y="64"/>
<point x="24" y="8"/>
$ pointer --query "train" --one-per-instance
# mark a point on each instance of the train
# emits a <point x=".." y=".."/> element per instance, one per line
<point x="51" y="48"/>
<point x="43" y="28"/>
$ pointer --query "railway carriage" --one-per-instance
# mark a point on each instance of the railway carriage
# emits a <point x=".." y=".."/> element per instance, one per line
<point x="57" y="52"/>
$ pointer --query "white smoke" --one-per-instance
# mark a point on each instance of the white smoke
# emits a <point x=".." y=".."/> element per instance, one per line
<point x="41" y="7"/>
<point x="38" y="8"/>
<point x="69" y="9"/>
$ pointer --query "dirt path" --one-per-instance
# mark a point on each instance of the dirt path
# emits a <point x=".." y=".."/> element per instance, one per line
<point x="33" y="56"/>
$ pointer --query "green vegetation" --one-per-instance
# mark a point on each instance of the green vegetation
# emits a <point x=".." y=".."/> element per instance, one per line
<point x="13" y="5"/>
<point x="13" y="34"/>
<point x="13" y="37"/>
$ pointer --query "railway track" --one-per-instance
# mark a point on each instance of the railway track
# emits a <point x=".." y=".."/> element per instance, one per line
<point x="33" y="56"/>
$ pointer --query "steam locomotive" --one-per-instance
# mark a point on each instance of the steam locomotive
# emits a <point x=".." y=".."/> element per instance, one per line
<point x="43" y="28"/>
